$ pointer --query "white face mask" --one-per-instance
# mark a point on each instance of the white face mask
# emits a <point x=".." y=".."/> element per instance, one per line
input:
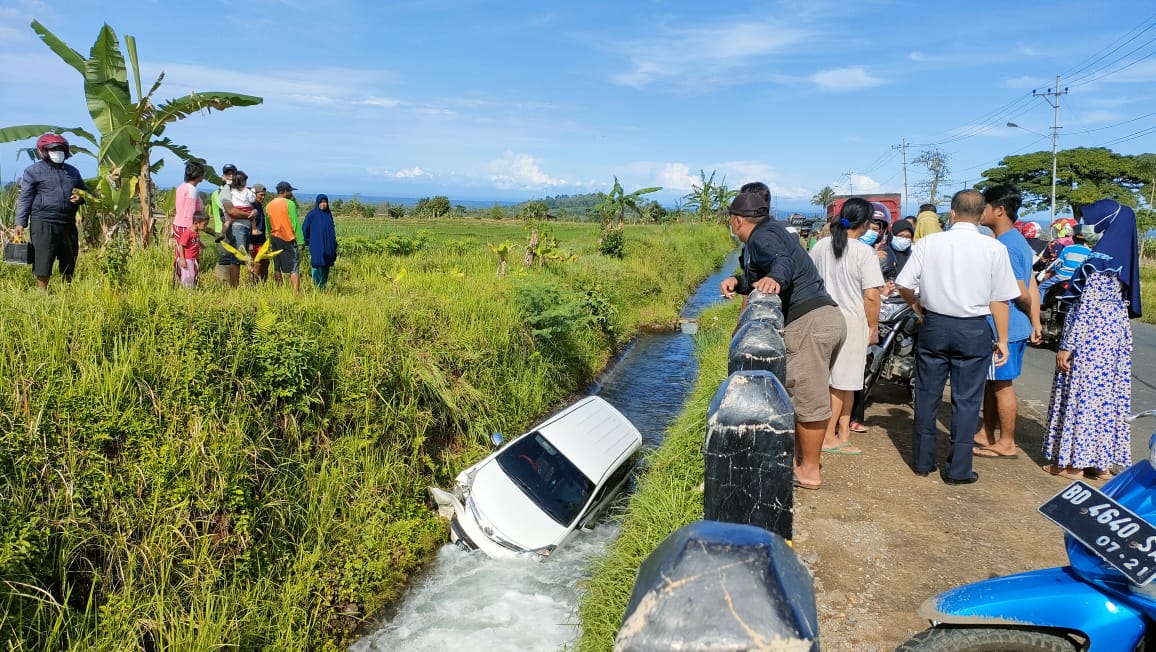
<point x="900" y="244"/>
<point x="56" y="156"/>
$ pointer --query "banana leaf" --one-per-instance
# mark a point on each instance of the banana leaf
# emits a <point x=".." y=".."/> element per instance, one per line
<point x="70" y="56"/>
<point x="23" y="132"/>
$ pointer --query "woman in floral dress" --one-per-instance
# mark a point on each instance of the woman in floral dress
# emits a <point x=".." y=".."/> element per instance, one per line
<point x="1088" y="433"/>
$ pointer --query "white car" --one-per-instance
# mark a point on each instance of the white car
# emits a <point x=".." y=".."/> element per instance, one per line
<point x="529" y="497"/>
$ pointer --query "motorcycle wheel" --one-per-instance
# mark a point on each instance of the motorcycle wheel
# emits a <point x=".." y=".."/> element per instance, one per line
<point x="985" y="639"/>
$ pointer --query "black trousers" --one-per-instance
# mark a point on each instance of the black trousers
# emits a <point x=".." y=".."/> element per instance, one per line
<point x="961" y="347"/>
<point x="52" y="242"/>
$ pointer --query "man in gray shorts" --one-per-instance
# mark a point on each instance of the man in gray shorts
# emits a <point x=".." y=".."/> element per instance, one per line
<point x="773" y="261"/>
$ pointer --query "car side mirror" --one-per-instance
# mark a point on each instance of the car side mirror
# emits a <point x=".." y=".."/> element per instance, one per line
<point x="497" y="439"/>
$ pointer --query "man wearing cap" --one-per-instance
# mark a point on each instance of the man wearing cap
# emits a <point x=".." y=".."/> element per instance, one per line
<point x="956" y="279"/>
<point x="260" y="269"/>
<point x="284" y="233"/>
<point x="774" y="261"/>
<point x="217" y="218"/>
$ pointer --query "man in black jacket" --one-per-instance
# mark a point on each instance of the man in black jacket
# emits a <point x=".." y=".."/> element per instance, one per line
<point x="47" y="205"/>
<point x="775" y="262"/>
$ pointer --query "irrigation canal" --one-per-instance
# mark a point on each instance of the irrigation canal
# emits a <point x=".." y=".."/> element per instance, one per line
<point x="467" y="601"/>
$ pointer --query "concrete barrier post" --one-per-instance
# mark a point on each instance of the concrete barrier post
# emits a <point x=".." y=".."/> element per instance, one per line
<point x="749" y="453"/>
<point x="720" y="586"/>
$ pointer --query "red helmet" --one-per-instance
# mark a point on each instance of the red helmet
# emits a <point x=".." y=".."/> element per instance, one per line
<point x="51" y="141"/>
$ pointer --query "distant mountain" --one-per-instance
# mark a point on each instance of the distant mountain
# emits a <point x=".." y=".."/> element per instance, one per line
<point x="412" y="201"/>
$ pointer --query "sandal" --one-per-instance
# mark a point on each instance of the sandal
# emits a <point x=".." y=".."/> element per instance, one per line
<point x="1097" y="474"/>
<point x="846" y="448"/>
<point x="855" y="426"/>
<point x="806" y="485"/>
<point x="1060" y="472"/>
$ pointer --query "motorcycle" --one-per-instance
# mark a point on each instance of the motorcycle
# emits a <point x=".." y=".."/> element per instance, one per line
<point x="893" y="358"/>
<point x="1054" y="309"/>
<point x="1102" y="602"/>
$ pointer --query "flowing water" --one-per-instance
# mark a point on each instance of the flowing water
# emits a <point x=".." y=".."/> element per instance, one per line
<point x="467" y="601"/>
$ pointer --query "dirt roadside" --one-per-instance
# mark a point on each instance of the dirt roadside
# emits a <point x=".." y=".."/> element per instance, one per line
<point x="881" y="539"/>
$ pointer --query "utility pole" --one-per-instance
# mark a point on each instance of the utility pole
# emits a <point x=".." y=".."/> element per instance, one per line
<point x="902" y="147"/>
<point x="850" y="183"/>
<point x="1052" y="96"/>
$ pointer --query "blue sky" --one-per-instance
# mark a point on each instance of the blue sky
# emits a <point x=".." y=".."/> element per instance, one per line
<point x="512" y="100"/>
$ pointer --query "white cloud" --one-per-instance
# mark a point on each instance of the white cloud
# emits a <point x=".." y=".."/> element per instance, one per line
<point x="410" y="173"/>
<point x="861" y="184"/>
<point x="674" y="176"/>
<point x="704" y="55"/>
<point x="383" y="102"/>
<point x="516" y="171"/>
<point x="1026" y="81"/>
<point x="677" y="178"/>
<point x="841" y="80"/>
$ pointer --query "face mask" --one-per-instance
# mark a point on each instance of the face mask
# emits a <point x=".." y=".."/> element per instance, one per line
<point x="900" y="244"/>
<point x="1105" y="222"/>
<point x="869" y="237"/>
<point x="56" y="156"/>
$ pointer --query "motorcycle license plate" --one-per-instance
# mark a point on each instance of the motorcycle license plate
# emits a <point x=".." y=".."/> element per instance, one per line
<point x="1114" y="532"/>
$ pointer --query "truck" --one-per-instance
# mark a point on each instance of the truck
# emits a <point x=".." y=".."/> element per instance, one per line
<point x="892" y="200"/>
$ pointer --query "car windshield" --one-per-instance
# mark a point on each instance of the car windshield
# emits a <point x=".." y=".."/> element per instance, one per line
<point x="547" y="477"/>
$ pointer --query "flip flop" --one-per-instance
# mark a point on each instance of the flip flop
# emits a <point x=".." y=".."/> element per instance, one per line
<point x="992" y="454"/>
<point x="805" y="485"/>
<point x="1096" y="474"/>
<point x="842" y="449"/>
<point x="855" y="426"/>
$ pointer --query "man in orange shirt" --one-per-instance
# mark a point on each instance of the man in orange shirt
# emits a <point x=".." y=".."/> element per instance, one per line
<point x="284" y="234"/>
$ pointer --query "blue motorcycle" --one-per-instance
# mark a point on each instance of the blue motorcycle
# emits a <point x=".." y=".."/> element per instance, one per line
<point x="1102" y="602"/>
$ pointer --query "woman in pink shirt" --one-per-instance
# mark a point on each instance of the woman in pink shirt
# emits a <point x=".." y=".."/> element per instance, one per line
<point x="188" y="202"/>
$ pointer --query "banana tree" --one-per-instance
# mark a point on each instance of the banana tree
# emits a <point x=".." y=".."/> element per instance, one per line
<point x="615" y="204"/>
<point x="129" y="125"/>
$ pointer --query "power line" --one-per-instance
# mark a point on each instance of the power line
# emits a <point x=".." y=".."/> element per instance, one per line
<point x="1089" y="62"/>
<point x="1111" y="126"/>
<point x="984" y="124"/>
<point x="1131" y="136"/>
<point x="1087" y="80"/>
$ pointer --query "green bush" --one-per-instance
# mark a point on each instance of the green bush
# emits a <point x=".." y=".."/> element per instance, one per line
<point x="612" y="242"/>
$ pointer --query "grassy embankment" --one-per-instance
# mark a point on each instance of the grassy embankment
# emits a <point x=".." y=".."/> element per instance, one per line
<point x="1148" y="294"/>
<point x="247" y="468"/>
<point x="668" y="496"/>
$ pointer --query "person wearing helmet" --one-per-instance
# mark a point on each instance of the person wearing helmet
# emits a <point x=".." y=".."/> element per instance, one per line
<point x="47" y="206"/>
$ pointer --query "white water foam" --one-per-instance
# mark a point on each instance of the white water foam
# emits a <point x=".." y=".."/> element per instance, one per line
<point x="468" y="601"/>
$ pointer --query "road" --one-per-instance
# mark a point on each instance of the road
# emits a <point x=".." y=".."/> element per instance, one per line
<point x="1034" y="386"/>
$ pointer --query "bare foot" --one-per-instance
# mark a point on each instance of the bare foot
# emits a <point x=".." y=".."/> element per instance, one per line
<point x="1067" y="472"/>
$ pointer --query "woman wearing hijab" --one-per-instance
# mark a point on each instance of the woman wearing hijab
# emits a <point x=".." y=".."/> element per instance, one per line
<point x="926" y="222"/>
<point x="321" y="238"/>
<point x="1088" y="433"/>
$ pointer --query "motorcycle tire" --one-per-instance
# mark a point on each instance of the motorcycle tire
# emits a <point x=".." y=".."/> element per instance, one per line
<point x="986" y="639"/>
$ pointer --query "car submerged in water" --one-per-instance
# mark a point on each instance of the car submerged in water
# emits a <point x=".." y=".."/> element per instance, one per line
<point x="531" y="495"/>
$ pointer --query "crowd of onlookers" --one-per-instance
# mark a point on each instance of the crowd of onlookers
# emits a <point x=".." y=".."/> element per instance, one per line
<point x="250" y="231"/>
<point x="977" y="289"/>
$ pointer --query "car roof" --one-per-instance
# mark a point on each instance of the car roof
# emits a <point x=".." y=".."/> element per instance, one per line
<point x="593" y="435"/>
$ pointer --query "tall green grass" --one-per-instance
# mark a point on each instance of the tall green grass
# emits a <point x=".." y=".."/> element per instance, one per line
<point x="247" y="468"/>
<point x="1148" y="294"/>
<point x="668" y="496"/>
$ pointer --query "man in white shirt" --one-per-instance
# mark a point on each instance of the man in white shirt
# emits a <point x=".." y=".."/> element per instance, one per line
<point x="955" y="279"/>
